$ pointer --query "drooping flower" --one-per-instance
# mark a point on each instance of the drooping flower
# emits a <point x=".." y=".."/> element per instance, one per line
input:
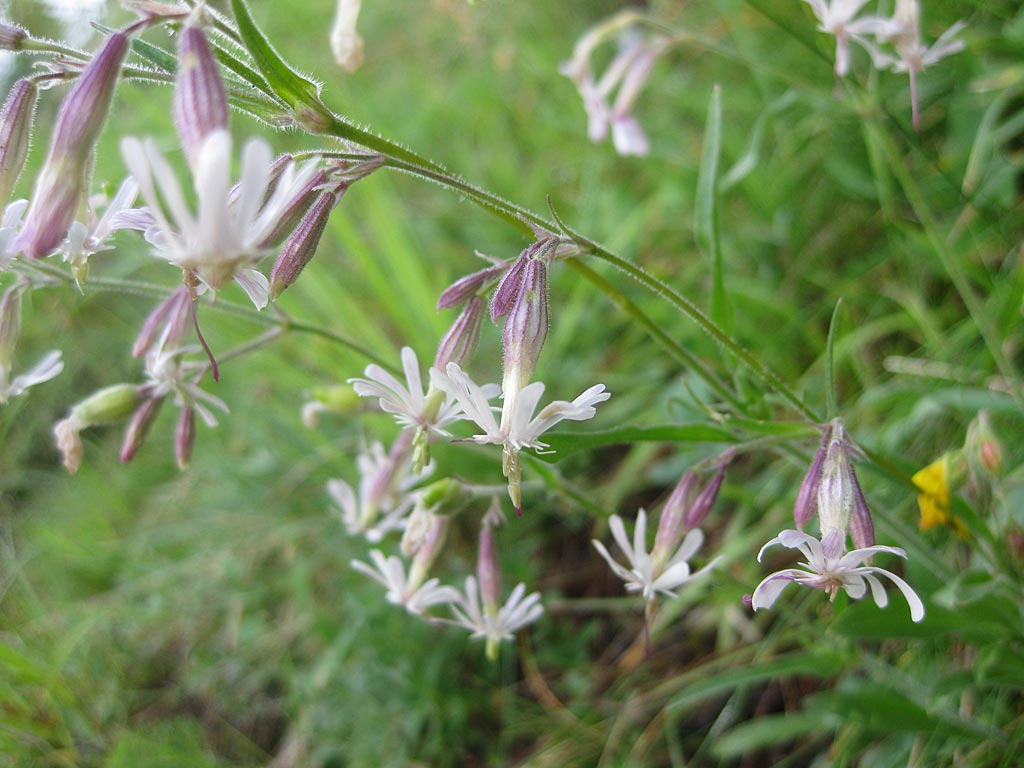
<point x="389" y="572"/>
<point x="382" y="502"/>
<point x="846" y="572"/>
<point x="221" y="241"/>
<point x="519" y="427"/>
<point x="643" y="573"/>
<point x="519" y="610"/>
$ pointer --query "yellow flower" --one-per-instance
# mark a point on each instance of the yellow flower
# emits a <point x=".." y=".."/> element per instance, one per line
<point x="933" y="499"/>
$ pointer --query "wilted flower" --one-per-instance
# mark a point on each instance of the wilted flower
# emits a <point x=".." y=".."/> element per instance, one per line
<point x="832" y="573"/>
<point x="383" y="501"/>
<point x="346" y="44"/>
<point x="222" y="240"/>
<point x="643" y="574"/>
<point x="108" y="405"/>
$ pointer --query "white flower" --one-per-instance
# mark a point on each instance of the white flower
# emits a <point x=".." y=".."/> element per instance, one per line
<point x="517" y="612"/>
<point x="346" y="44"/>
<point x="168" y="374"/>
<point x="382" y="502"/>
<point x="524" y="430"/>
<point x="642" y="575"/>
<point x="410" y="405"/>
<point x="47" y="368"/>
<point x="831" y="574"/>
<point x="221" y="241"/>
<point x="85" y="239"/>
<point x="838" y="18"/>
<point x="390" y="574"/>
<point x="10" y="226"/>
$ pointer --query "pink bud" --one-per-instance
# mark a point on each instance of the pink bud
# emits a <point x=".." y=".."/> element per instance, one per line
<point x="200" y="104"/>
<point x="508" y="288"/>
<point x="862" y="528"/>
<point x="15" y="132"/>
<point x="12" y="38"/>
<point x="461" y="339"/>
<point x="701" y="506"/>
<point x="670" y="526"/>
<point x="168" y="323"/>
<point x="301" y="246"/>
<point x="467" y="286"/>
<point x="487" y="572"/>
<point x="526" y="327"/>
<point x="807" y="496"/>
<point x="64" y="177"/>
<point x="138" y="427"/>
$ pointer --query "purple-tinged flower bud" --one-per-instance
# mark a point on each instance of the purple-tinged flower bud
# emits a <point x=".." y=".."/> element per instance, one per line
<point x="807" y="496"/>
<point x="461" y="339"/>
<point x="701" y="506"/>
<point x="430" y="548"/>
<point x="200" y="105"/>
<point x="670" y="526"/>
<point x="185" y="437"/>
<point x="64" y="176"/>
<point x="487" y="572"/>
<point x="15" y="134"/>
<point x="168" y="323"/>
<point x="509" y="287"/>
<point x="862" y="528"/>
<point x="138" y="427"/>
<point x="12" y="38"/>
<point x="107" y="405"/>
<point x="10" y="329"/>
<point x="836" y="491"/>
<point x="300" y="248"/>
<point x="296" y="209"/>
<point x="468" y="286"/>
<point x="526" y="328"/>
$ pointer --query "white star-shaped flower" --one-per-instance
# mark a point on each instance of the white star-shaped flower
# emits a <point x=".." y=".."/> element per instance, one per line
<point x="519" y="610"/>
<point x="221" y="241"/>
<point x="167" y="374"/>
<point x="389" y="572"/>
<point x="838" y="18"/>
<point x="831" y="574"/>
<point x="642" y="574"/>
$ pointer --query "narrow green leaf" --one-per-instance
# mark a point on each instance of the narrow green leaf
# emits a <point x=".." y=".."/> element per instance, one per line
<point x="830" y="365"/>
<point x="769" y="731"/>
<point x="706" y="210"/>
<point x="300" y="93"/>
<point x="563" y="443"/>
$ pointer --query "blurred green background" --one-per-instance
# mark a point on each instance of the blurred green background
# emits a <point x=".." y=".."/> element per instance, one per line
<point x="152" y="618"/>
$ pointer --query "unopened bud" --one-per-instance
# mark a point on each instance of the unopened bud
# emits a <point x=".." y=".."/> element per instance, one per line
<point x="461" y="339"/>
<point x="102" y="407"/>
<point x="138" y="427"/>
<point x="296" y="209"/>
<point x="836" y="491"/>
<point x="982" y="445"/>
<point x="426" y="555"/>
<point x="807" y="496"/>
<point x="63" y="178"/>
<point x="701" y="506"/>
<point x="200" y="105"/>
<point x="185" y="437"/>
<point x="346" y="44"/>
<point x="862" y="527"/>
<point x="10" y="329"/>
<point x="670" y="526"/>
<point x="12" y="38"/>
<point x="298" y="251"/>
<point x="509" y="287"/>
<point x="15" y="134"/>
<point x="467" y="286"/>
<point x="526" y="327"/>
<point x="487" y="572"/>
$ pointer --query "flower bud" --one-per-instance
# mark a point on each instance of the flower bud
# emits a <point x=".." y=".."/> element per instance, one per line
<point x="670" y="526"/>
<point x="526" y="327"/>
<point x="487" y="572"/>
<point x="807" y="496"/>
<point x="862" y="528"/>
<point x="15" y="134"/>
<point x="63" y="178"/>
<point x="346" y="44"/>
<point x="467" y="286"/>
<point x="509" y="287"/>
<point x="200" y="105"/>
<point x="982" y="446"/>
<point x="107" y="405"/>
<point x="10" y="329"/>
<point x="836" y="491"/>
<point x="185" y="437"/>
<point x="138" y="427"/>
<point x="461" y="339"/>
<point x="298" y="251"/>
<point x="296" y="209"/>
<point x="430" y="548"/>
<point x="701" y="506"/>
<point x="12" y="38"/>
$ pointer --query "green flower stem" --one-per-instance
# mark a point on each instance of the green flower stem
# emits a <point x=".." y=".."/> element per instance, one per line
<point x="949" y="263"/>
